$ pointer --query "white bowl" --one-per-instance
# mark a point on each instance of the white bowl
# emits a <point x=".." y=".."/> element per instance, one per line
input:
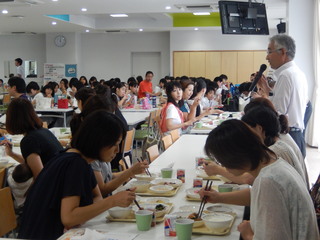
<point x="152" y="207"/>
<point x="217" y="222"/>
<point x="167" y="181"/>
<point x="193" y="193"/>
<point x="219" y="208"/>
<point x="161" y="188"/>
<point x="141" y="186"/>
<point x="120" y="212"/>
<point x="146" y="177"/>
<point x="3" y="162"/>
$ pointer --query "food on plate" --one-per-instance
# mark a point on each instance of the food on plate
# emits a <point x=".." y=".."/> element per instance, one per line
<point x="194" y="216"/>
<point x="160" y="207"/>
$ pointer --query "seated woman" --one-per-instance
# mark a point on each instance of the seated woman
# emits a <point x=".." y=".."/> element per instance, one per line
<point x="171" y="116"/>
<point x="63" y="86"/>
<point x="281" y="207"/>
<point x="65" y="193"/>
<point x="39" y="145"/>
<point x="119" y="94"/>
<point x="107" y="180"/>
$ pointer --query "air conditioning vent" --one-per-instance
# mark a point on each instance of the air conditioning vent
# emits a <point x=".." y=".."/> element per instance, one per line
<point x="116" y="31"/>
<point x="1" y="1"/>
<point x="199" y="7"/>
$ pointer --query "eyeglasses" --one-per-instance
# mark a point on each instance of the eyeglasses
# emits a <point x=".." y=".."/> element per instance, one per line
<point x="271" y="51"/>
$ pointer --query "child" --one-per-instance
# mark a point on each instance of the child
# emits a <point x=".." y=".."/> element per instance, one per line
<point x="160" y="90"/>
<point x="133" y="94"/>
<point x="210" y="98"/>
<point x="19" y="181"/>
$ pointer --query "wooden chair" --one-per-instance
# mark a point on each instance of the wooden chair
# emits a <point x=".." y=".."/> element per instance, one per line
<point x="166" y="142"/>
<point x="127" y="147"/>
<point x="6" y="99"/>
<point x="175" y="135"/>
<point x="152" y="153"/>
<point x="3" y="177"/>
<point x="7" y="214"/>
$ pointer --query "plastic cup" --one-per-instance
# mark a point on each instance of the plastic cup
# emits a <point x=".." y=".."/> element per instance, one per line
<point x="184" y="228"/>
<point x="143" y="219"/>
<point x="166" y="172"/>
<point x="199" y="125"/>
<point x="225" y="188"/>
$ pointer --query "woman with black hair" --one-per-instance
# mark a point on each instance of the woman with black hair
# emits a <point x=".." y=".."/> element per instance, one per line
<point x="66" y="193"/>
<point x="171" y="116"/>
<point x="119" y="94"/>
<point x="39" y="145"/>
<point x="281" y="207"/>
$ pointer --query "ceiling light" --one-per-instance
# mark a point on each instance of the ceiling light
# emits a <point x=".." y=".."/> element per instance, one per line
<point x="87" y="30"/>
<point x="84" y="9"/>
<point x="119" y="15"/>
<point x="201" y="13"/>
<point x="54" y="23"/>
<point x="168" y="7"/>
<point x="54" y="0"/>
<point x="140" y="30"/>
<point x="5" y="11"/>
<point x="196" y="29"/>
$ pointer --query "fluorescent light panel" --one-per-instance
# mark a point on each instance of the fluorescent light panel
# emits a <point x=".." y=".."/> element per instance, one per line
<point x="201" y="13"/>
<point x="119" y="15"/>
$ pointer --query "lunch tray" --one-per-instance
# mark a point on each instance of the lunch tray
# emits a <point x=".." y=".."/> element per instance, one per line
<point x="131" y="217"/>
<point x="205" y="231"/>
<point x="149" y="193"/>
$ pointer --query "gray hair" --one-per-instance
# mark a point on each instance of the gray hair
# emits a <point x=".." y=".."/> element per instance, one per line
<point x="286" y="42"/>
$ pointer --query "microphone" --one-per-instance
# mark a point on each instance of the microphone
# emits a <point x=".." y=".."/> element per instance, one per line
<point x="263" y="67"/>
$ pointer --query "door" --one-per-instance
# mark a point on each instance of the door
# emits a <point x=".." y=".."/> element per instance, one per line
<point x="147" y="61"/>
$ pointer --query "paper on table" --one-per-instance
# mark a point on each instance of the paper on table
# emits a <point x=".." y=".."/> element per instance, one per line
<point x="88" y="234"/>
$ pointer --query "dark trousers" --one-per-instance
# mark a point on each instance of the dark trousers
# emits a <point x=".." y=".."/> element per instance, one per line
<point x="307" y="116"/>
<point x="299" y="139"/>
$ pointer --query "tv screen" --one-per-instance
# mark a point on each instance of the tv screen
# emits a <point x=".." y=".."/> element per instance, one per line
<point x="243" y="18"/>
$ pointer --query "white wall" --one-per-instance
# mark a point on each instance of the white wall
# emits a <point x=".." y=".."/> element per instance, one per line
<point x="214" y="40"/>
<point x="109" y="55"/>
<point x="301" y="29"/>
<point x="27" y="47"/>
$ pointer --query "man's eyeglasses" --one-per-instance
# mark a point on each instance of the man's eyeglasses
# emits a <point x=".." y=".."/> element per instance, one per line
<point x="271" y="51"/>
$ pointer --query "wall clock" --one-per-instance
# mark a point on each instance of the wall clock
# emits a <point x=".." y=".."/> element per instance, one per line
<point x="60" y="41"/>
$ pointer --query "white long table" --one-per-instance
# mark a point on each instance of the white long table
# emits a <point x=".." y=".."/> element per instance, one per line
<point x="137" y="110"/>
<point x="133" y="118"/>
<point x="61" y="111"/>
<point x="182" y="155"/>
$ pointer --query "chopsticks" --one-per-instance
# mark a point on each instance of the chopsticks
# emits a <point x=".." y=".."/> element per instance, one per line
<point x="136" y="202"/>
<point x="147" y="170"/>
<point x="204" y="199"/>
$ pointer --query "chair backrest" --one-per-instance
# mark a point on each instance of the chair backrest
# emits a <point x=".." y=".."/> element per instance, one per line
<point x="128" y="142"/>
<point x="166" y="142"/>
<point x="152" y="153"/>
<point x="175" y="135"/>
<point x="2" y="178"/>
<point x="7" y="214"/>
<point x="6" y="99"/>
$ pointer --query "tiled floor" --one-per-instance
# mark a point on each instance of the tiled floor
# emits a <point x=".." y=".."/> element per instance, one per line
<point x="313" y="164"/>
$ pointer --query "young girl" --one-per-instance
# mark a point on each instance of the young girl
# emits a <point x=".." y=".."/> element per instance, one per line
<point x="210" y="98"/>
<point x="171" y="116"/>
<point x="39" y="145"/>
<point x="64" y="86"/>
<point x="119" y="94"/>
<point x="66" y="192"/>
<point x="281" y="207"/>
<point x="48" y="91"/>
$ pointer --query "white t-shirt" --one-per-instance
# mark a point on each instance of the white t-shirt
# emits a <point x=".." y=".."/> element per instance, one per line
<point x="206" y="103"/>
<point x="281" y="207"/>
<point x="290" y="93"/>
<point x="20" y="71"/>
<point x="172" y="113"/>
<point x="285" y="152"/>
<point x="37" y="97"/>
<point x="289" y="141"/>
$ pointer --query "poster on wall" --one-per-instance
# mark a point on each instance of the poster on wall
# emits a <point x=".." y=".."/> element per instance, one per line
<point x="71" y="70"/>
<point x="54" y="71"/>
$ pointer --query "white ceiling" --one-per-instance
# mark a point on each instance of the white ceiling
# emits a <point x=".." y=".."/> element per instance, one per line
<point x="150" y="15"/>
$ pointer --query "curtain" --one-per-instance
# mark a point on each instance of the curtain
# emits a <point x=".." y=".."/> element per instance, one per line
<point x="313" y="130"/>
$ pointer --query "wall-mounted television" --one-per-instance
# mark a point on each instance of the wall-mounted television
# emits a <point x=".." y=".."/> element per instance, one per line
<point x="243" y="18"/>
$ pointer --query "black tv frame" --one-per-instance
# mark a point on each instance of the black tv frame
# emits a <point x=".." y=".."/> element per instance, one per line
<point x="243" y="18"/>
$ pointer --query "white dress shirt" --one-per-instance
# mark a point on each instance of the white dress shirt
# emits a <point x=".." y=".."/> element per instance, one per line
<point x="290" y="93"/>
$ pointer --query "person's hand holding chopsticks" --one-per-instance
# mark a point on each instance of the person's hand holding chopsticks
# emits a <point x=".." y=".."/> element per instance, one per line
<point x="212" y="195"/>
<point x="139" y="167"/>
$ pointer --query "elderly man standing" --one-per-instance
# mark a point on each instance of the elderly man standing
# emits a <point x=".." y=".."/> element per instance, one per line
<point x="290" y="93"/>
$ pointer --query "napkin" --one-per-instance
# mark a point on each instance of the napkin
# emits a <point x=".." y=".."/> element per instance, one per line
<point x="89" y="234"/>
